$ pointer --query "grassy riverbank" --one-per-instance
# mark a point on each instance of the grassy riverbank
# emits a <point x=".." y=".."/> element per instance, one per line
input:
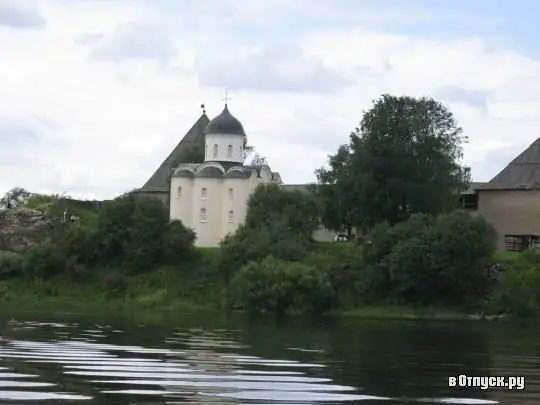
<point x="136" y="259"/>
<point x="196" y="285"/>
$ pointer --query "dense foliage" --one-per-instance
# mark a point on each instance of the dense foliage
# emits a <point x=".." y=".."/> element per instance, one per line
<point x="296" y="210"/>
<point x="278" y="223"/>
<point x="402" y="159"/>
<point x="279" y="286"/>
<point x="430" y="260"/>
<point x="397" y="181"/>
<point x="132" y="233"/>
<point x="519" y="292"/>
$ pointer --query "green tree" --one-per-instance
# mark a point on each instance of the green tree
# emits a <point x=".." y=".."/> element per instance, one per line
<point x="404" y="158"/>
<point x="278" y="286"/>
<point x="135" y="231"/>
<point x="254" y="244"/>
<point x="430" y="260"/>
<point x="270" y="204"/>
<point x="333" y="193"/>
<point x="279" y="222"/>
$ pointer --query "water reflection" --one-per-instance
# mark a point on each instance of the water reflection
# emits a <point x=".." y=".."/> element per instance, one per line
<point x="259" y="363"/>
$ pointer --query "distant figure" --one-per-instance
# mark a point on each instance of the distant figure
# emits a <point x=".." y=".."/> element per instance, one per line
<point x="341" y="237"/>
<point x="65" y="214"/>
<point x="75" y="220"/>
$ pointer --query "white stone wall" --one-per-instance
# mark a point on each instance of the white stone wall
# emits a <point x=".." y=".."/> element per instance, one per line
<point x="221" y="197"/>
<point x="223" y="142"/>
<point x="181" y="204"/>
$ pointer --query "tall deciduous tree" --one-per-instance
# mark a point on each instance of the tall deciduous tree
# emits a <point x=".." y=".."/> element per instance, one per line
<point x="334" y="193"/>
<point x="404" y="158"/>
<point x="271" y="205"/>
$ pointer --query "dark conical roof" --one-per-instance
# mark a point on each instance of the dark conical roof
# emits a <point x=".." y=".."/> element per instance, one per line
<point x="159" y="182"/>
<point x="225" y="123"/>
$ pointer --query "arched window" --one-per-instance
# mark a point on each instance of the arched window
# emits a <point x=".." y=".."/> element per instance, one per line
<point x="179" y="192"/>
<point x="204" y="193"/>
<point x="231" y="216"/>
<point x="231" y="194"/>
<point x="203" y="214"/>
<point x="229" y="151"/>
<point x="215" y="151"/>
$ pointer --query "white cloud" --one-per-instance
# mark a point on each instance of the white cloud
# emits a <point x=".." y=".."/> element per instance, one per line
<point x="101" y="125"/>
<point x="21" y="14"/>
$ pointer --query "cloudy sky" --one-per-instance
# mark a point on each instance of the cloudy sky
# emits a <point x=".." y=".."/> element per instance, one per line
<point x="95" y="93"/>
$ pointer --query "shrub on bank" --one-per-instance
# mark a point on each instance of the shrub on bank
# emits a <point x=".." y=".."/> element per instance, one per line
<point x="519" y="291"/>
<point x="429" y="261"/>
<point x="11" y="266"/>
<point x="133" y="233"/>
<point x="279" y="222"/>
<point x="275" y="285"/>
<point x="343" y="264"/>
<point x="44" y="261"/>
<point x="249" y="244"/>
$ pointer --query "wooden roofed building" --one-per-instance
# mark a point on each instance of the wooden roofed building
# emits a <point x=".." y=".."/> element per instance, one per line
<point x="511" y="201"/>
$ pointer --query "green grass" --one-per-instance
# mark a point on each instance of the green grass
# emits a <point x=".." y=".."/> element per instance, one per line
<point x="506" y="257"/>
<point x="195" y="285"/>
<point x="403" y="312"/>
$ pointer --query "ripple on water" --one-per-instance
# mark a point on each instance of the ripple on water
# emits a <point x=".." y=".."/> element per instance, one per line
<point x="207" y="367"/>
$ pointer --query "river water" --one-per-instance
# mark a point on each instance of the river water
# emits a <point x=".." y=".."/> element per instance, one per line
<point x="207" y="359"/>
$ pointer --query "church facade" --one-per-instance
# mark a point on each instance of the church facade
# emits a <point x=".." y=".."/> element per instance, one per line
<point x="211" y="197"/>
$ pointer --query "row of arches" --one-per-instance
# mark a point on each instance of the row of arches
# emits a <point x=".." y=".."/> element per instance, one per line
<point x="204" y="215"/>
<point x="204" y="193"/>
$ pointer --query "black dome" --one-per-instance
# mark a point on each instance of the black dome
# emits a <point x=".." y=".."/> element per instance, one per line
<point x="225" y="123"/>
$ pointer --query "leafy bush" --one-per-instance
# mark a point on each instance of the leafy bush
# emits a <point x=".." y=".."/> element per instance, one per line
<point x="278" y="286"/>
<point x="374" y="280"/>
<point x="271" y="204"/>
<point x="429" y="260"/>
<point x="135" y="232"/>
<point x="519" y="291"/>
<point x="178" y="242"/>
<point x="248" y="245"/>
<point x="11" y="266"/>
<point x="343" y="264"/>
<point x="44" y="261"/>
<point x="81" y="245"/>
<point x="383" y="237"/>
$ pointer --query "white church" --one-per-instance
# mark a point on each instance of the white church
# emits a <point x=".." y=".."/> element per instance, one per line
<point x="211" y="197"/>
